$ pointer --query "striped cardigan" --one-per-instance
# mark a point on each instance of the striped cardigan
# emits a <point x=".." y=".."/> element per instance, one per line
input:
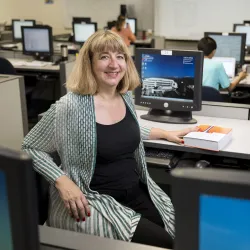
<point x="69" y="127"/>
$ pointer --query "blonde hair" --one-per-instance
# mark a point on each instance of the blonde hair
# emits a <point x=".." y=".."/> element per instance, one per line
<point x="82" y="80"/>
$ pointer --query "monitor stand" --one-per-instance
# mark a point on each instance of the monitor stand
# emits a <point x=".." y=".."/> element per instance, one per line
<point x="168" y="116"/>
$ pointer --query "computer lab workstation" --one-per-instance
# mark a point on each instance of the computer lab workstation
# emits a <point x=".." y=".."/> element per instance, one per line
<point x="209" y="190"/>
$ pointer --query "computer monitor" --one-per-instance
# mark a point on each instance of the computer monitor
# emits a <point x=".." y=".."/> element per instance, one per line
<point x="16" y="28"/>
<point x="246" y="22"/>
<point x="81" y="19"/>
<point x="242" y="28"/>
<point x="171" y="84"/>
<point x="38" y="41"/>
<point x="82" y="31"/>
<point x="211" y="209"/>
<point x="133" y="24"/>
<point x="229" y="64"/>
<point x="18" y="207"/>
<point x="229" y="45"/>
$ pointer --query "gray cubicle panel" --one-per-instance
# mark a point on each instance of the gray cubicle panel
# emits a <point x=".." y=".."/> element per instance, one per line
<point x="65" y="70"/>
<point x="220" y="110"/>
<point x="13" y="111"/>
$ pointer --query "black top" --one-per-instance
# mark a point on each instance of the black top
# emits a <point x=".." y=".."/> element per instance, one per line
<point x="115" y="162"/>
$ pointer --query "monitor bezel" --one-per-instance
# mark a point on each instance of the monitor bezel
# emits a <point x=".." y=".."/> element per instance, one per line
<point x="246" y="21"/>
<point x="188" y="185"/>
<point x="171" y="104"/>
<point x="20" y="183"/>
<point x="37" y="53"/>
<point x="81" y="19"/>
<point x="20" y="20"/>
<point x="240" y="24"/>
<point x="73" y="26"/>
<point x="243" y="42"/>
<point x="135" y="24"/>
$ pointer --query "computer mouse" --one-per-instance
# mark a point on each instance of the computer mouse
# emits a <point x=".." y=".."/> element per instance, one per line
<point x="202" y="164"/>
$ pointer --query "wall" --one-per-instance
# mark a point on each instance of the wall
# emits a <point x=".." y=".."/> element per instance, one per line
<point x="189" y="19"/>
<point x="58" y="14"/>
<point x="102" y="11"/>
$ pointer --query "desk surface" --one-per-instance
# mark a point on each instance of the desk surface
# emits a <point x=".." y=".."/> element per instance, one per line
<point x="53" y="239"/>
<point x="238" y="148"/>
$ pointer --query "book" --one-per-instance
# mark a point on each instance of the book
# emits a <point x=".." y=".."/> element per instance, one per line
<point x="209" y="137"/>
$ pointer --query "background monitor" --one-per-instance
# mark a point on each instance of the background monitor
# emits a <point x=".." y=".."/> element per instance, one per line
<point x="18" y="208"/>
<point x="16" y="28"/>
<point x="37" y="41"/>
<point x="81" y="19"/>
<point x="246" y="22"/>
<point x="82" y="31"/>
<point x="171" y="84"/>
<point x="229" y="45"/>
<point x="211" y="209"/>
<point x="242" y="28"/>
<point x="133" y="24"/>
<point x="229" y="64"/>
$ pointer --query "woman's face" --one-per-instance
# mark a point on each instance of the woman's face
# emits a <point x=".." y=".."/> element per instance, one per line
<point x="109" y="68"/>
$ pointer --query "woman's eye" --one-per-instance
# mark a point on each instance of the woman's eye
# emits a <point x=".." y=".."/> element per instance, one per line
<point x="120" y="57"/>
<point x="104" y="57"/>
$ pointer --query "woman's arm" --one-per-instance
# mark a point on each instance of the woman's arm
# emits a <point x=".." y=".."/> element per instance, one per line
<point x="40" y="143"/>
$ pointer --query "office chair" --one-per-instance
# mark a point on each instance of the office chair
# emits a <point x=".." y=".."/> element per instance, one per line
<point x="6" y="67"/>
<point x="211" y="94"/>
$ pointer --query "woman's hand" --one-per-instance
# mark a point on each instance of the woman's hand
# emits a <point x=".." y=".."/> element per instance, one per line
<point x="173" y="136"/>
<point x="73" y="198"/>
<point x="177" y="136"/>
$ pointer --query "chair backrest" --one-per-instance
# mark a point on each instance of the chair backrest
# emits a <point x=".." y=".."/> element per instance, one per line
<point x="211" y="94"/>
<point x="6" y="67"/>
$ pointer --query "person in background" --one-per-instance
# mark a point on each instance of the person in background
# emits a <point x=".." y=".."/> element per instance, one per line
<point x="103" y="186"/>
<point x="124" y="30"/>
<point x="214" y="74"/>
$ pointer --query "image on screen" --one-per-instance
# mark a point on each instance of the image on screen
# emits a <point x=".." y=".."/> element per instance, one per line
<point x="83" y="31"/>
<point x="131" y="23"/>
<point x="5" y="227"/>
<point x="168" y="77"/>
<point x="244" y="29"/>
<point x="36" y="40"/>
<point x="224" y="223"/>
<point x="228" y="46"/>
<point x="17" y="28"/>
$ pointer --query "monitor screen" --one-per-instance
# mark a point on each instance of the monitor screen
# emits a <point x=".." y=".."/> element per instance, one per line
<point x="82" y="31"/>
<point x="170" y="81"/>
<point x="17" y="24"/>
<point x="229" y="64"/>
<point x="224" y="223"/>
<point x="5" y="225"/>
<point x="244" y="29"/>
<point x="36" y="40"/>
<point x="132" y="24"/>
<point x="168" y="77"/>
<point x="229" y="45"/>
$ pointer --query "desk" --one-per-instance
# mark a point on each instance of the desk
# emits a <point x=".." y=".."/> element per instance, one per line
<point x="238" y="148"/>
<point x="55" y="239"/>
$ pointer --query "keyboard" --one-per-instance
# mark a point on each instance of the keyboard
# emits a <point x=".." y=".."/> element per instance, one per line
<point x="160" y="157"/>
<point x="28" y="63"/>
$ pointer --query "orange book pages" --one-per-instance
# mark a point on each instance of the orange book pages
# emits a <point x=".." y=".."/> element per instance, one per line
<point x="220" y="130"/>
<point x="213" y="129"/>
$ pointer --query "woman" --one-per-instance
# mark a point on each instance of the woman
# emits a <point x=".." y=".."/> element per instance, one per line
<point x="124" y="30"/>
<point x="103" y="186"/>
<point x="214" y="74"/>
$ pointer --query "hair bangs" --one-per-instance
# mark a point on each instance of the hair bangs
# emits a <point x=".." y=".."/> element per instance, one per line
<point x="108" y="42"/>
